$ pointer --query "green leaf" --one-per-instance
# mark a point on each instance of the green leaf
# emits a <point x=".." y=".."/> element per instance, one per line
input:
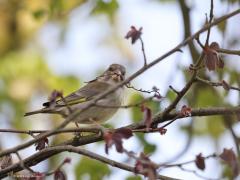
<point x="222" y="26"/>
<point x="94" y="169"/>
<point x="210" y="125"/>
<point x="133" y="178"/>
<point x="227" y="172"/>
<point x="106" y="7"/>
<point x="39" y="13"/>
<point x="215" y="126"/>
<point x="208" y="96"/>
<point x="137" y="116"/>
<point x="148" y="147"/>
<point x="171" y="95"/>
<point x="136" y="113"/>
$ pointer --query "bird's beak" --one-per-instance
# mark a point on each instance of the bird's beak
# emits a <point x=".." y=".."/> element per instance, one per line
<point x="118" y="76"/>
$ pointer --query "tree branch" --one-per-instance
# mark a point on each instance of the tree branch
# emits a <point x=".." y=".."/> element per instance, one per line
<point x="143" y="69"/>
<point x="50" y="151"/>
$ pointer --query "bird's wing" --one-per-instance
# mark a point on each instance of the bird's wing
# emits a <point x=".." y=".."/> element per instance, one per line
<point x="84" y="94"/>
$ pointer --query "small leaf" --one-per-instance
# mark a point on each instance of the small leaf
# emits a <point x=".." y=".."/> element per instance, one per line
<point x="145" y="166"/>
<point x="67" y="160"/>
<point x="109" y="8"/>
<point x="222" y="26"/>
<point x="200" y="162"/>
<point x="124" y="132"/>
<point x="115" y="138"/>
<point x="93" y="169"/>
<point x="229" y="157"/>
<point x="133" y="178"/>
<point x="59" y="175"/>
<point x="212" y="59"/>
<point x="134" y="34"/>
<point x="162" y="131"/>
<point x="225" y="85"/>
<point x="147" y="116"/>
<point x="157" y="93"/>
<point x="39" y="13"/>
<point x="186" y="111"/>
<point x="41" y="144"/>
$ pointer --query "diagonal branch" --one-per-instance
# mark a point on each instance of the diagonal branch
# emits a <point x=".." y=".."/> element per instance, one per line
<point x="51" y="151"/>
<point x="136" y="74"/>
<point x="33" y="160"/>
<point x="185" y="11"/>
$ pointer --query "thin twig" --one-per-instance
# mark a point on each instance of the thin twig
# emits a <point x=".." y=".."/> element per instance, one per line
<point x="126" y="106"/>
<point x="170" y="122"/>
<point x="22" y="163"/>
<point x="67" y="130"/>
<point x="151" y="130"/>
<point x="210" y="21"/>
<point x="174" y="90"/>
<point x="128" y="85"/>
<point x="197" y="174"/>
<point x="229" y="125"/>
<point x="188" y="162"/>
<point x="216" y="84"/>
<point x="143" y="51"/>
<point x="199" y="42"/>
<point x="227" y="51"/>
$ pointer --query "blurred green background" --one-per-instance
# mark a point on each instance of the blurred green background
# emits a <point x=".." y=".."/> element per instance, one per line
<point x="28" y="74"/>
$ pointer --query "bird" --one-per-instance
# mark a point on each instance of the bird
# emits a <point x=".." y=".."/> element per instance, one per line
<point x="99" y="113"/>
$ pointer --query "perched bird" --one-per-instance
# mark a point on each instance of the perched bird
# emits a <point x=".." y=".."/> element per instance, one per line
<point x="82" y="97"/>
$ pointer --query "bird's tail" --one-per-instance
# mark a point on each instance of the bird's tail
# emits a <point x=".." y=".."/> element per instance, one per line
<point x="37" y="112"/>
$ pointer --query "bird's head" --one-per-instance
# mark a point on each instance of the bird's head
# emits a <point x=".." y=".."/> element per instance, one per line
<point x="115" y="73"/>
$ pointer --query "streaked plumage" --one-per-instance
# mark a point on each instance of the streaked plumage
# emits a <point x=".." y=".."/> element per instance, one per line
<point x="82" y="97"/>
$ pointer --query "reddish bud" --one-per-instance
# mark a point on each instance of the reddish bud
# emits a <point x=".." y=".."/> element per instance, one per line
<point x="212" y="58"/>
<point x="147" y="116"/>
<point x="229" y="157"/>
<point x="115" y="138"/>
<point x="145" y="166"/>
<point x="162" y="131"/>
<point x="59" y="175"/>
<point x="200" y="162"/>
<point x="67" y="160"/>
<point x="134" y="34"/>
<point x="41" y="144"/>
<point x="186" y="111"/>
<point x="225" y="85"/>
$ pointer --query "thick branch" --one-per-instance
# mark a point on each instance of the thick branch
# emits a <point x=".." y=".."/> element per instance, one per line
<point x="77" y="113"/>
<point x="48" y="152"/>
<point x="227" y="51"/>
<point x="185" y="11"/>
<point x="33" y="160"/>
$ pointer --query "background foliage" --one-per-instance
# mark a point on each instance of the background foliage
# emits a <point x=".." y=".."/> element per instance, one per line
<point x="26" y="78"/>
